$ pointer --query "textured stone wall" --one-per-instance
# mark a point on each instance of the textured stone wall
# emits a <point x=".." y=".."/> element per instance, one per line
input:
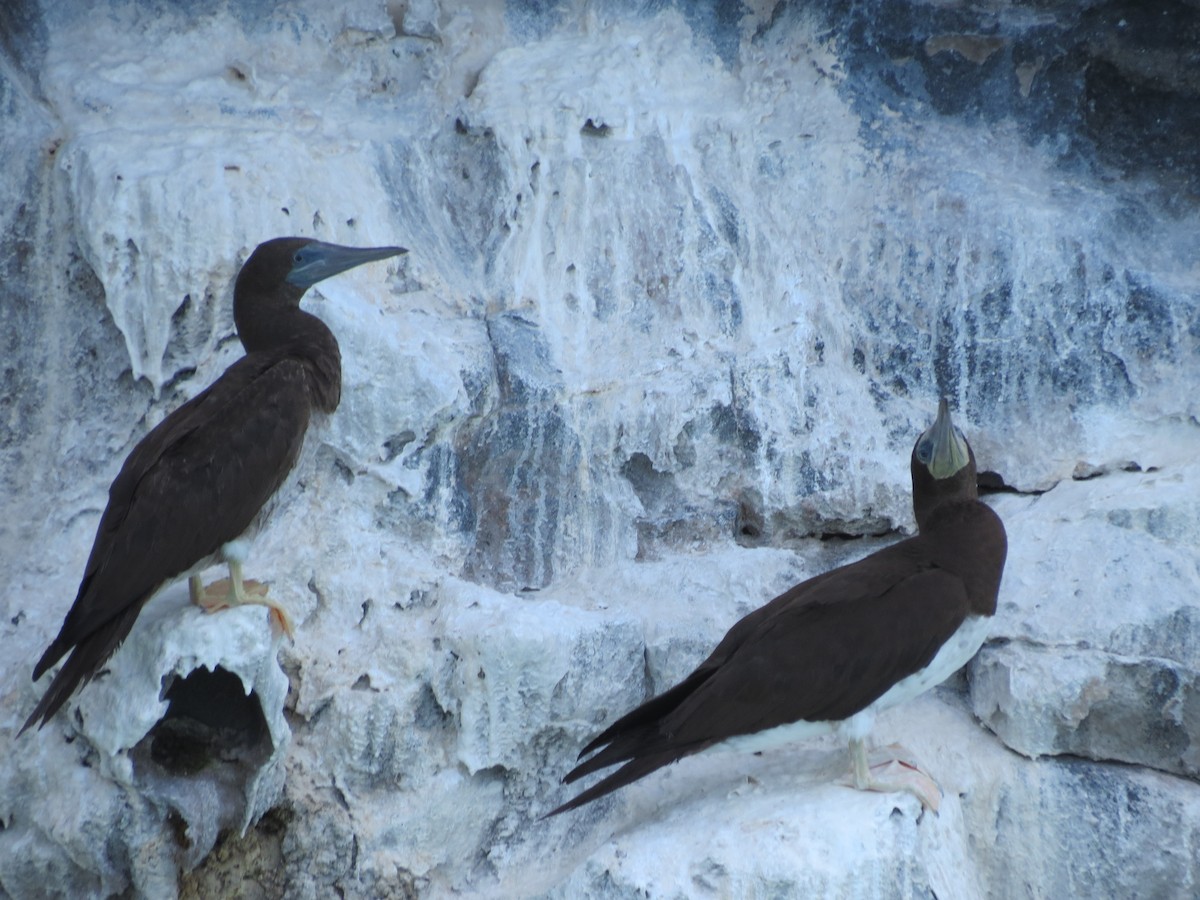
<point x="685" y="281"/>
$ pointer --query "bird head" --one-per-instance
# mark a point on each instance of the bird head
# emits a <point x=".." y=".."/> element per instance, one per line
<point x="941" y="448"/>
<point x="943" y="466"/>
<point x="266" y="295"/>
<point x="288" y="266"/>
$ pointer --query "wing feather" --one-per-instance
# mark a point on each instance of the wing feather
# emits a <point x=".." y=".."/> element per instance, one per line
<point x="194" y="483"/>
<point x="798" y="657"/>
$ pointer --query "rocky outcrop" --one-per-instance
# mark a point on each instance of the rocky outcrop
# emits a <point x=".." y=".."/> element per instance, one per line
<point x="684" y="283"/>
<point x="1096" y="654"/>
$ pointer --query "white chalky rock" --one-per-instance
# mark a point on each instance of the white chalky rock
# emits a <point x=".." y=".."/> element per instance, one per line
<point x="685" y="281"/>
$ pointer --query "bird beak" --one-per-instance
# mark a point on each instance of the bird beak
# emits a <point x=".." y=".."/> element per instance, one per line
<point x="317" y="261"/>
<point x="950" y="452"/>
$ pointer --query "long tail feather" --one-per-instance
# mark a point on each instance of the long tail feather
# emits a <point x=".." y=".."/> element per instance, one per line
<point x="81" y="666"/>
<point x="58" y="647"/>
<point x="627" y="774"/>
<point x="649" y="713"/>
<point x="624" y="747"/>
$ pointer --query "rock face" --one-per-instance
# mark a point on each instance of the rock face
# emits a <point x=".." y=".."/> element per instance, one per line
<point x="1111" y="673"/>
<point x="685" y="282"/>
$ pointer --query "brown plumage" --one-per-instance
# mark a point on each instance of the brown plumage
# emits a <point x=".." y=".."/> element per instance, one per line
<point x="828" y="650"/>
<point x="199" y="480"/>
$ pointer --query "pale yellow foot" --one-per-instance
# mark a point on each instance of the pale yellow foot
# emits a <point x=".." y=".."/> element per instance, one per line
<point x="235" y="591"/>
<point x="223" y="594"/>
<point x="889" y="771"/>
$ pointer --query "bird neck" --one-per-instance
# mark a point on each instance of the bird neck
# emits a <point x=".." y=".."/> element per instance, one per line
<point x="931" y="494"/>
<point x="935" y="499"/>
<point x="968" y="529"/>
<point x="280" y="327"/>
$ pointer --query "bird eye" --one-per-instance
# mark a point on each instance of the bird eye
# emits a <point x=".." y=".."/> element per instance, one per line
<point x="924" y="452"/>
<point x="299" y="257"/>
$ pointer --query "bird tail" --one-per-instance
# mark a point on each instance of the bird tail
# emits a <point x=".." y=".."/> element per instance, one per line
<point x="627" y="774"/>
<point x="81" y="666"/>
<point x="623" y="747"/>
<point x="53" y="654"/>
<point x="637" y="740"/>
<point x="644" y="719"/>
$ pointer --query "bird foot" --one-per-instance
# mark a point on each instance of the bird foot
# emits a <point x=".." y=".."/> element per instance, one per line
<point x="223" y="594"/>
<point x="280" y="622"/>
<point x="889" y="771"/>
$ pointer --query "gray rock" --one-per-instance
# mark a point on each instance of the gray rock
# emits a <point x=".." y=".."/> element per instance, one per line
<point x="521" y="667"/>
<point x="180" y="737"/>
<point x="1095" y="650"/>
<point x="776" y="825"/>
<point x="1049" y="701"/>
<point x="684" y="282"/>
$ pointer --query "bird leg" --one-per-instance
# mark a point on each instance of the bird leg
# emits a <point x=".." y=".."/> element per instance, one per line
<point x="892" y="773"/>
<point x="233" y="591"/>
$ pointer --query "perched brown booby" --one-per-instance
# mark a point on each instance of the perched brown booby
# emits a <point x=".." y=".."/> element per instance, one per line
<point x="833" y="651"/>
<point x="193" y="490"/>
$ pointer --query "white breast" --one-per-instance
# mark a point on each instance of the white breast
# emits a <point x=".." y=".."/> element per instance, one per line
<point x="952" y="656"/>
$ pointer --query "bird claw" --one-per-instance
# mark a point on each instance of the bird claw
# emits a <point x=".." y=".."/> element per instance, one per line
<point x="221" y="595"/>
<point x="280" y="622"/>
<point x="253" y="588"/>
<point x="214" y="597"/>
<point x="891" y="772"/>
<point x="898" y="775"/>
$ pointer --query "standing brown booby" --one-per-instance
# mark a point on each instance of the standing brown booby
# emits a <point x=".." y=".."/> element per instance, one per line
<point x="833" y="651"/>
<point x="193" y="490"/>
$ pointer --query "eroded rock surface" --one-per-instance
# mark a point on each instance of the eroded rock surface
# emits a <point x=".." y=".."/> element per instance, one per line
<point x="684" y="283"/>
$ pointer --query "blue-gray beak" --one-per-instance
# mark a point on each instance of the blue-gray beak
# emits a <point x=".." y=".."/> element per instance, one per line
<point x="942" y="448"/>
<point x="317" y="261"/>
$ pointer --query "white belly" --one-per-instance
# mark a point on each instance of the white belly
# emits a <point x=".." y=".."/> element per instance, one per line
<point x="953" y="655"/>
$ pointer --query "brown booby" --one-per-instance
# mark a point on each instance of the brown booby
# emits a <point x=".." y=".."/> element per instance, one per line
<point x="192" y="492"/>
<point x="831" y="652"/>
